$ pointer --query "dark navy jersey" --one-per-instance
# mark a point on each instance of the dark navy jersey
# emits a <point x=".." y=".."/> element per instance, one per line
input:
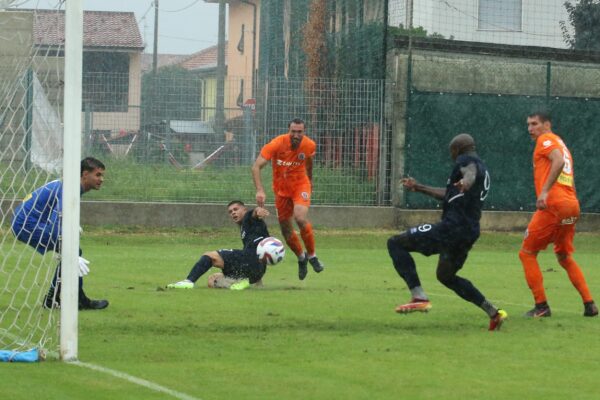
<point x="464" y="209"/>
<point x="252" y="230"/>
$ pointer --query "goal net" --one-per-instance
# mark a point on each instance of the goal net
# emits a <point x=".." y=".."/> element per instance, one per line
<point x="31" y="146"/>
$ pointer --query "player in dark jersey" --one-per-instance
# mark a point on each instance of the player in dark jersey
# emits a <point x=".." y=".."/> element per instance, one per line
<point x="37" y="222"/>
<point x="240" y="268"/>
<point x="452" y="237"/>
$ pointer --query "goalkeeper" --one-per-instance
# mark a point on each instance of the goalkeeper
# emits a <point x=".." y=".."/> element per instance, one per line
<point x="240" y="268"/>
<point x="37" y="222"/>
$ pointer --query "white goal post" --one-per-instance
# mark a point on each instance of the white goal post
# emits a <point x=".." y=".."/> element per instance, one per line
<point x="71" y="179"/>
<point x="40" y="82"/>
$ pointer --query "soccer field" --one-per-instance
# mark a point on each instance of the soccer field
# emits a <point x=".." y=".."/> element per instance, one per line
<point x="333" y="336"/>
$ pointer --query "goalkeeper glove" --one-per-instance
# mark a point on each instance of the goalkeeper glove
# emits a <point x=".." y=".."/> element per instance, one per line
<point x="241" y="285"/>
<point x="84" y="268"/>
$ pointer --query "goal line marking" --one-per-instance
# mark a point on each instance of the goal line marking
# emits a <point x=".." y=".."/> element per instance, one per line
<point x="138" y="381"/>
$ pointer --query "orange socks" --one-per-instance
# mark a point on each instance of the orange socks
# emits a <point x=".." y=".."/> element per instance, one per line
<point x="577" y="278"/>
<point x="535" y="280"/>
<point x="294" y="243"/>
<point x="533" y="276"/>
<point x="308" y="238"/>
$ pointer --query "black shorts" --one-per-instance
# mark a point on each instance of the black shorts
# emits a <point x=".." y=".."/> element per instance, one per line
<point x="242" y="264"/>
<point x="450" y="242"/>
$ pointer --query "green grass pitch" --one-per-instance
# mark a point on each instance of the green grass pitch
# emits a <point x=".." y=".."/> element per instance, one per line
<point x="333" y="336"/>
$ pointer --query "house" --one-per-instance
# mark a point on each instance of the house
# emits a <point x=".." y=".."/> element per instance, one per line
<point x="112" y="52"/>
<point x="162" y="60"/>
<point x="516" y="22"/>
<point x="32" y="74"/>
<point x="204" y="64"/>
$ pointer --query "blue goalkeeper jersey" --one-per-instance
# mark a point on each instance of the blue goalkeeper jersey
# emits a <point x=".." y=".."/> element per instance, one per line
<point x="40" y="208"/>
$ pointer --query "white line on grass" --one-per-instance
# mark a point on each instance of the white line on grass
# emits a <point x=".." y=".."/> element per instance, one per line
<point x="454" y="296"/>
<point x="138" y="381"/>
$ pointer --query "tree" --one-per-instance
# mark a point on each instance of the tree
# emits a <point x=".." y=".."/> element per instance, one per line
<point x="172" y="93"/>
<point x="418" y="31"/>
<point x="584" y="19"/>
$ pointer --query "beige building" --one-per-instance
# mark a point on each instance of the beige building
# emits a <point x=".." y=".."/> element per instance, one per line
<point x="32" y="74"/>
<point x="242" y="50"/>
<point x="112" y="50"/>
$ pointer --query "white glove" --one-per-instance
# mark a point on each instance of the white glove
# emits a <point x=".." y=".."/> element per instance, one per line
<point x="84" y="268"/>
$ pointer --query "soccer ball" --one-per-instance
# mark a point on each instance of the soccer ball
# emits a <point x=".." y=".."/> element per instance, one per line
<point x="270" y="250"/>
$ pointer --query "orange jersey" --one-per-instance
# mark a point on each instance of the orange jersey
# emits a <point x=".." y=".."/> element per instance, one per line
<point x="289" y="166"/>
<point x="564" y="187"/>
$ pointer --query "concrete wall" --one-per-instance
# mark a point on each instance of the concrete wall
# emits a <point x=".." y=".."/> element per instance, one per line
<point x="169" y="215"/>
<point x="215" y="215"/>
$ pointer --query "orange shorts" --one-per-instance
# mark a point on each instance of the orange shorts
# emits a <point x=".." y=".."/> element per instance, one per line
<point x="555" y="224"/>
<point x="300" y="195"/>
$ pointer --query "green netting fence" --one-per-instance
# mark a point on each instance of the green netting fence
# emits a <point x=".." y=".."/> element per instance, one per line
<point x="498" y="125"/>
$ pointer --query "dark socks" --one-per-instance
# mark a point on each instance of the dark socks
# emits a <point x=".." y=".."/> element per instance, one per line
<point x="54" y="291"/>
<point x="200" y="268"/>
<point x="465" y="289"/>
<point x="489" y="308"/>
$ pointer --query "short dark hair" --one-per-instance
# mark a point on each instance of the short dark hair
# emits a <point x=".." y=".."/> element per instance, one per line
<point x="296" y="121"/>
<point x="543" y="116"/>
<point x="90" y="163"/>
<point x="232" y="202"/>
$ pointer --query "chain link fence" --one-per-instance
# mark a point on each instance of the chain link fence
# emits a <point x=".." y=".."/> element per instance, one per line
<point x="482" y="67"/>
<point x="382" y="86"/>
<point x="169" y="148"/>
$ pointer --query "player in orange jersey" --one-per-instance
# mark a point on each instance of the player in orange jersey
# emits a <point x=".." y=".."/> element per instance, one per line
<point x="291" y="156"/>
<point x="556" y="215"/>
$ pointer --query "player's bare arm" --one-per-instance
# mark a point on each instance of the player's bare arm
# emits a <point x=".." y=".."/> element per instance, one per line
<point x="556" y="167"/>
<point x="468" y="179"/>
<point x="414" y="186"/>
<point x="309" y="168"/>
<point x="259" y="164"/>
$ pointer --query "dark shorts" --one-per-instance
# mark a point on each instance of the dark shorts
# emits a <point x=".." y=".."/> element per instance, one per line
<point x="242" y="264"/>
<point x="451" y="243"/>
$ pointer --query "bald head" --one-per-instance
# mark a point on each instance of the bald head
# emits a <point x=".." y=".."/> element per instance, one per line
<point x="460" y="144"/>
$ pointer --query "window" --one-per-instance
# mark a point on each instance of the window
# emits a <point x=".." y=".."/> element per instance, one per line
<point x="500" y="15"/>
<point x="105" y="81"/>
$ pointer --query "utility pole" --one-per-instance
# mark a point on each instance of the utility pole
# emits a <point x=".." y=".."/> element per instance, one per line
<point x="155" y="47"/>
<point x="220" y="112"/>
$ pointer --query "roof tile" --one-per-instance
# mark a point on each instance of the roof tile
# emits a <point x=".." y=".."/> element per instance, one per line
<point x="203" y="59"/>
<point x="100" y="29"/>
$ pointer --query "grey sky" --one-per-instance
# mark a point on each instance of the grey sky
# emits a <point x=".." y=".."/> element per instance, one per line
<point x="184" y="26"/>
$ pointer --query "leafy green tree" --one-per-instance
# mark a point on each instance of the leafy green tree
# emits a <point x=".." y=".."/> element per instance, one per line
<point x="583" y="32"/>
<point x="418" y="31"/>
<point x="173" y="93"/>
